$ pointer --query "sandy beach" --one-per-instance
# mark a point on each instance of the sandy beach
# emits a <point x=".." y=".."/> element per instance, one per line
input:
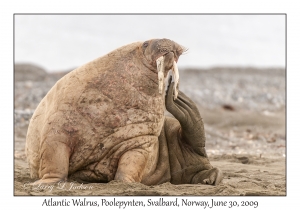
<point x="244" y="113"/>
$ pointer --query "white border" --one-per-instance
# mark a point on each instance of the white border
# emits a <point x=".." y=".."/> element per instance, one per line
<point x="254" y="6"/>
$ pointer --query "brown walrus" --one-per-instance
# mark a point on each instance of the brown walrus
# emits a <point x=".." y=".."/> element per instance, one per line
<point x="102" y="120"/>
<point x="105" y="120"/>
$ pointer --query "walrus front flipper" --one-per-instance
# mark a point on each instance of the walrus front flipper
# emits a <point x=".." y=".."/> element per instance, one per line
<point x="138" y="162"/>
<point x="54" y="162"/>
<point x="130" y="166"/>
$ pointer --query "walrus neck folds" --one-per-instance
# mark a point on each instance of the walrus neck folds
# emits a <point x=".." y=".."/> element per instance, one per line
<point x="148" y="64"/>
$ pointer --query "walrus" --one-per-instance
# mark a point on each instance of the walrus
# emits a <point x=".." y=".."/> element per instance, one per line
<point x="103" y="119"/>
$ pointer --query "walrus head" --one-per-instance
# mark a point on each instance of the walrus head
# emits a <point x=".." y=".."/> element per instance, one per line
<point x="163" y="54"/>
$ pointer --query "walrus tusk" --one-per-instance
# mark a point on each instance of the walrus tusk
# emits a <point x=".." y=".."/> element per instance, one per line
<point x="160" y="69"/>
<point x="176" y="79"/>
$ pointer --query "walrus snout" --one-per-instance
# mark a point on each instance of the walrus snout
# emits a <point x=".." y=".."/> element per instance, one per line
<point x="169" y="61"/>
<point x="155" y="48"/>
<point x="164" y="53"/>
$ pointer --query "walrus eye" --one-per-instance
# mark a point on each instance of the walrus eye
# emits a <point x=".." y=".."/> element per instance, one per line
<point x="145" y="44"/>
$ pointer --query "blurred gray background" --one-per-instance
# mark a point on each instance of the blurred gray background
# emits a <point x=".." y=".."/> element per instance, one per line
<point x="62" y="42"/>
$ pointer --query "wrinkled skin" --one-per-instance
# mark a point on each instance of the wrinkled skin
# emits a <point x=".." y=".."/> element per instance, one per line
<point x="105" y="121"/>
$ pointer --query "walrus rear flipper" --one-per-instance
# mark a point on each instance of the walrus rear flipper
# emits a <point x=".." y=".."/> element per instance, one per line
<point x="188" y="115"/>
<point x="213" y="176"/>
